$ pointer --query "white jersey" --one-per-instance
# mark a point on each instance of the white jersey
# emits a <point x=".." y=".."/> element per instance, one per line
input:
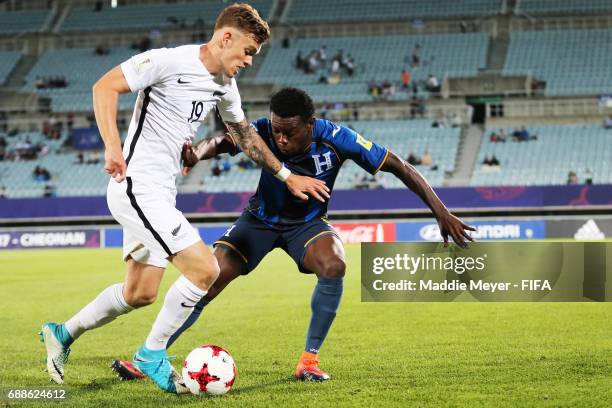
<point x="176" y="92"/>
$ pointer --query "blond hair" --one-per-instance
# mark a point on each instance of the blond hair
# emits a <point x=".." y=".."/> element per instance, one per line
<point x="245" y="18"/>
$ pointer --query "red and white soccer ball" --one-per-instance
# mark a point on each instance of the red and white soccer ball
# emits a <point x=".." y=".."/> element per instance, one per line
<point x="209" y="369"/>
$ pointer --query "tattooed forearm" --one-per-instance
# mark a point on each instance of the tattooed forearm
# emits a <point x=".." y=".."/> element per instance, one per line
<point x="253" y="146"/>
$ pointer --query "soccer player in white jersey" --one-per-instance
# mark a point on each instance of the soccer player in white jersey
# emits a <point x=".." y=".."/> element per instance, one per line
<point x="177" y="88"/>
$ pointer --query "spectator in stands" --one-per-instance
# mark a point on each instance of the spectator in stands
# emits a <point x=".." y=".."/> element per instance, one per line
<point x="101" y="50"/>
<point x="415" y="58"/>
<point x="374" y="88"/>
<point x="245" y="163"/>
<point x="226" y="166"/>
<point x="41" y="174"/>
<point x="498" y="137"/>
<point x="405" y="80"/>
<point x="322" y="54"/>
<point x="432" y="84"/>
<point x="70" y="121"/>
<point x="387" y="89"/>
<point x="42" y="149"/>
<point x="39" y="83"/>
<point x="413" y="159"/>
<point x="456" y="121"/>
<point x="588" y="177"/>
<point x="440" y="122"/>
<point x="25" y="150"/>
<point x="417" y="107"/>
<point x="349" y="65"/>
<point x="355" y="111"/>
<point x="494" y="161"/>
<point x="572" y="178"/>
<point x="426" y="159"/>
<point x="313" y="63"/>
<point x="2" y="192"/>
<point x="3" y="145"/>
<point x="522" y="135"/>
<point x="80" y="158"/>
<point x="368" y="182"/>
<point x="49" y="190"/>
<point x="299" y="61"/>
<point x="415" y="90"/>
<point x="216" y="168"/>
<point x="94" y="157"/>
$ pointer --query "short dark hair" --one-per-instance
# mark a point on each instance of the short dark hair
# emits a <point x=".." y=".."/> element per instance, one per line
<point x="289" y="102"/>
<point x="246" y="19"/>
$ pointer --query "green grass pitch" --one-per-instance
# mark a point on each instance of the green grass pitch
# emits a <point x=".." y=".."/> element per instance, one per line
<point x="384" y="354"/>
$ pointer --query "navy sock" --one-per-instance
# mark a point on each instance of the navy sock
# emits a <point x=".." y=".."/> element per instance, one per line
<point x="197" y="310"/>
<point x="324" y="304"/>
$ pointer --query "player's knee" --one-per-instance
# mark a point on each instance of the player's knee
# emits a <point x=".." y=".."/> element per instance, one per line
<point x="205" y="273"/>
<point x="140" y="298"/>
<point x="333" y="269"/>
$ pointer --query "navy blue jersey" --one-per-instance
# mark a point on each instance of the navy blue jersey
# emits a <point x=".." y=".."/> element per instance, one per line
<point x="331" y="145"/>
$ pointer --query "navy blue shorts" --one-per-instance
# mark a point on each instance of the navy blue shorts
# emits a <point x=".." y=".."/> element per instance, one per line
<point x="251" y="239"/>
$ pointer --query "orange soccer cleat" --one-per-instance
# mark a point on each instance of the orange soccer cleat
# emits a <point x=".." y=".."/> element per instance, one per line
<point x="308" y="368"/>
<point x="126" y="370"/>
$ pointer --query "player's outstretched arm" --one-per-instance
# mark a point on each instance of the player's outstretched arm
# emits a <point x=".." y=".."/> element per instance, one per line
<point x="254" y="147"/>
<point x="410" y="176"/>
<point x="105" y="96"/>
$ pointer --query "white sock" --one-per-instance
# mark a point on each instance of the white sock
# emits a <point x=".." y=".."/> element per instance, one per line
<point x="178" y="305"/>
<point x="105" y="308"/>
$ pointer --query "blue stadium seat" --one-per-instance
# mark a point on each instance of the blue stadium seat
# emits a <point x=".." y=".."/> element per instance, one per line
<point x="87" y="69"/>
<point x="8" y="61"/>
<point x="541" y="7"/>
<point x="320" y="11"/>
<point x="379" y="58"/>
<point x="153" y="16"/>
<point x="558" y="150"/>
<point x="572" y="62"/>
<point x="14" y="22"/>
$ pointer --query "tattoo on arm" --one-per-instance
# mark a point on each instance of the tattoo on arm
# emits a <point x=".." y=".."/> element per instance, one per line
<point x="253" y="146"/>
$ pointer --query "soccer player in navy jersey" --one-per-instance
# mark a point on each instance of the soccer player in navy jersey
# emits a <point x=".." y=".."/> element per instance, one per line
<point x="275" y="218"/>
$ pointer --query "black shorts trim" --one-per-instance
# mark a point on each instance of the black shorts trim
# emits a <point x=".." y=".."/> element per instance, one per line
<point x="143" y="113"/>
<point x="143" y="218"/>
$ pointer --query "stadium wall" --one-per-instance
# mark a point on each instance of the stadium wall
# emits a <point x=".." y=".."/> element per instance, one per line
<point x="580" y="228"/>
<point x="344" y="202"/>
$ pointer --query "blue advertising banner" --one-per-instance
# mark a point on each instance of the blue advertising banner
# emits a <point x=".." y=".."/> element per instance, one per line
<point x="113" y="237"/>
<point x="485" y="230"/>
<point x="78" y="238"/>
<point x="86" y="139"/>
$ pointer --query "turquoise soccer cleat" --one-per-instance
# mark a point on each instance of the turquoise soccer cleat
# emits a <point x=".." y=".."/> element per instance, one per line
<point x="57" y="341"/>
<point x="155" y="364"/>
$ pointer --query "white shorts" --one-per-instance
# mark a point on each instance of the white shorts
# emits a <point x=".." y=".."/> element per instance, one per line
<point x="153" y="229"/>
